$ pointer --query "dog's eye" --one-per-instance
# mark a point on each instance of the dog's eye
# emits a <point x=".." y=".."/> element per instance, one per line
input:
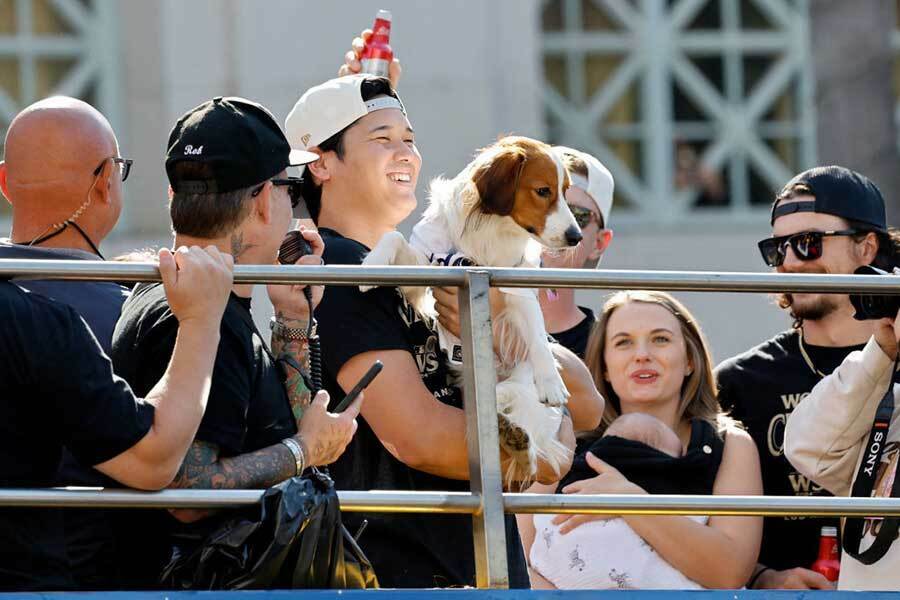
<point x="531" y="230"/>
<point x="543" y="192"/>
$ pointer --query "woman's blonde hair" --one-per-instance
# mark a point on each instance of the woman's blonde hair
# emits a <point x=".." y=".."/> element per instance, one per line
<point x="698" y="392"/>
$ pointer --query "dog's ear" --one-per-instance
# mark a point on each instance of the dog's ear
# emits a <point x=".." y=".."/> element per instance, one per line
<point x="496" y="180"/>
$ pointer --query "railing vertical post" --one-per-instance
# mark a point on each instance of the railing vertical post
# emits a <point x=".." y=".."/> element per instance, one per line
<point x="479" y="391"/>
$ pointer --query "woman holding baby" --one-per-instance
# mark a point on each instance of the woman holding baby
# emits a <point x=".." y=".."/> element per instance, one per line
<point x="663" y="432"/>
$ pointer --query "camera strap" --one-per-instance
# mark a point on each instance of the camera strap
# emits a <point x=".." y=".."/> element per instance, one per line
<point x="865" y="481"/>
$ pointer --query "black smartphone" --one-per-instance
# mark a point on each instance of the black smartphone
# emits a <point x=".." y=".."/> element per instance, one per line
<point x="362" y="384"/>
<point x="293" y="247"/>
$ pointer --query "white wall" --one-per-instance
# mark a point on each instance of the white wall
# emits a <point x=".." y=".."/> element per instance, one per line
<point x="732" y="322"/>
<point x="459" y="96"/>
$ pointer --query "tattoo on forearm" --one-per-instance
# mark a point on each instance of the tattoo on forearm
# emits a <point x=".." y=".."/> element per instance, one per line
<point x="298" y="393"/>
<point x="204" y="469"/>
<point x="238" y="247"/>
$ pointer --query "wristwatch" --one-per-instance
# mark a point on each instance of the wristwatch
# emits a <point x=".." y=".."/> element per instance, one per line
<point x="289" y="333"/>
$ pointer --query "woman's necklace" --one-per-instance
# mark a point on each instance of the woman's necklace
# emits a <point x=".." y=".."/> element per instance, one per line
<point x="806" y="357"/>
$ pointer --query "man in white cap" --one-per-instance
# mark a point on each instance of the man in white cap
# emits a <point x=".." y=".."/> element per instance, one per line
<point x="412" y="432"/>
<point x="590" y="199"/>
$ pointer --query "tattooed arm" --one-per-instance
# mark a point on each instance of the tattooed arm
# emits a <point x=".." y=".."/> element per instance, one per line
<point x="327" y="435"/>
<point x="204" y="469"/>
<point x="293" y="310"/>
<point x="293" y="354"/>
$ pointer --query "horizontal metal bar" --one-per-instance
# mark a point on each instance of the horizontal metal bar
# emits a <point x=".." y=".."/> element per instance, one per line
<point x="769" y="506"/>
<point x="686" y="281"/>
<point x="465" y="503"/>
<point x="351" y="501"/>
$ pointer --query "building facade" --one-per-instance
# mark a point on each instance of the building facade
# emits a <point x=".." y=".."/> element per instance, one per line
<point x="700" y="108"/>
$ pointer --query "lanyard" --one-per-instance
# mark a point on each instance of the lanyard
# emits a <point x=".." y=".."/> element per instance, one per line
<point x="865" y="482"/>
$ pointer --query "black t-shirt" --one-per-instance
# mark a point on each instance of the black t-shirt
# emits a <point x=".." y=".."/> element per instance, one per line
<point x="248" y="408"/>
<point x="98" y="302"/>
<point x="56" y="388"/>
<point x="761" y="388"/>
<point x="576" y="338"/>
<point x="406" y="550"/>
<point x="89" y="532"/>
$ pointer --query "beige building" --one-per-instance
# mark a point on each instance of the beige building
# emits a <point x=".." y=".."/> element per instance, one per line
<point x="700" y="108"/>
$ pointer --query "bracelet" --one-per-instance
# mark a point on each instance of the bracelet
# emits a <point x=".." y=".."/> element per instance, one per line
<point x="293" y="334"/>
<point x="297" y="451"/>
<point x="755" y="577"/>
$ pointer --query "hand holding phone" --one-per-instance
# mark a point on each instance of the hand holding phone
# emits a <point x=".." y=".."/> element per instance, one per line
<point x="362" y="384"/>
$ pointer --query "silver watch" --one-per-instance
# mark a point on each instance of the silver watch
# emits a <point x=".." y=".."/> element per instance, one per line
<point x="289" y="333"/>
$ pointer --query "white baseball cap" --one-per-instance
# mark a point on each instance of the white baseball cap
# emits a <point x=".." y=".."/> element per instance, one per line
<point x="328" y="108"/>
<point x="598" y="185"/>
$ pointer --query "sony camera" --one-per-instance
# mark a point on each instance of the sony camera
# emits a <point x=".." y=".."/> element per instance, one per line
<point x="874" y="306"/>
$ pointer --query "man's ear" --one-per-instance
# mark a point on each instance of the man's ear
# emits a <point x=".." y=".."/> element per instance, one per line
<point x="103" y="182"/>
<point x="604" y="238"/>
<point x="262" y="203"/>
<point x="321" y="169"/>
<point x="3" y="184"/>
<point x="868" y="248"/>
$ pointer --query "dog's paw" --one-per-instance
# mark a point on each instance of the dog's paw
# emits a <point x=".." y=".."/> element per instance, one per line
<point x="366" y="288"/>
<point x="552" y="391"/>
<point x="513" y="438"/>
<point x="516" y="442"/>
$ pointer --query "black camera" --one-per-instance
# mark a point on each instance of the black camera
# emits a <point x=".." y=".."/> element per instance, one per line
<point x="874" y="307"/>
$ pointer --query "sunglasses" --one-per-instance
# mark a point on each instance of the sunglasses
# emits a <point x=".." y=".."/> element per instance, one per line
<point x="294" y="188"/>
<point x="806" y="245"/>
<point x="584" y="216"/>
<point x="124" y="165"/>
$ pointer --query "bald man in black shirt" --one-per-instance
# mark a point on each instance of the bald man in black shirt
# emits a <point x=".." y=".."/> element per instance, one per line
<point x="57" y="389"/>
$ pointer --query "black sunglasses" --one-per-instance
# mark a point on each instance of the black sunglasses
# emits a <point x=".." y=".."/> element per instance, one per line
<point x="124" y="165"/>
<point x="584" y="216"/>
<point x="294" y="189"/>
<point x="807" y="245"/>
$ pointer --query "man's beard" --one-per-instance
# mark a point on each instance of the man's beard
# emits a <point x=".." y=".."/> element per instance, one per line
<point x="810" y="309"/>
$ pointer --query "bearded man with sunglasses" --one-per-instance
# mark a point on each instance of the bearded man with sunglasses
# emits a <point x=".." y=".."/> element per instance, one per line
<point x="827" y="220"/>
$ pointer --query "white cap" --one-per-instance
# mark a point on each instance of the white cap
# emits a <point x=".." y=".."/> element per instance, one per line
<point x="326" y="109"/>
<point x="599" y="184"/>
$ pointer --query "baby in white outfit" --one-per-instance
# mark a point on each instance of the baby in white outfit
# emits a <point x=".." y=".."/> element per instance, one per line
<point x="608" y="554"/>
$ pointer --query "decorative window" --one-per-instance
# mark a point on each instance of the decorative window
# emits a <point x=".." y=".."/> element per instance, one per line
<point x="699" y="108"/>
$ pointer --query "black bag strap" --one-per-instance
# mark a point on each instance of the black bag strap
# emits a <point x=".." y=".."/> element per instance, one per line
<point x="865" y="483"/>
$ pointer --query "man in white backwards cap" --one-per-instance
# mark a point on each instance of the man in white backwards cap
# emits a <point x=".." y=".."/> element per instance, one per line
<point x="590" y="199"/>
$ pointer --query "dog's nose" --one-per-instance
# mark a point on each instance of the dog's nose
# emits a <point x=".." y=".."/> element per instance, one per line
<point x="573" y="235"/>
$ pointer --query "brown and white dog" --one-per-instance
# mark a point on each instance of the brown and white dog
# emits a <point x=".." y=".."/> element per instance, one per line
<point x="498" y="212"/>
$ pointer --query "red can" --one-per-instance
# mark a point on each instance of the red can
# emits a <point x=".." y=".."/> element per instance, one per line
<point x="829" y="561"/>
<point x="377" y="55"/>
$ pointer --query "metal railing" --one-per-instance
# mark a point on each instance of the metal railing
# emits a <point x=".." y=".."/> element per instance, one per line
<point x="486" y="503"/>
